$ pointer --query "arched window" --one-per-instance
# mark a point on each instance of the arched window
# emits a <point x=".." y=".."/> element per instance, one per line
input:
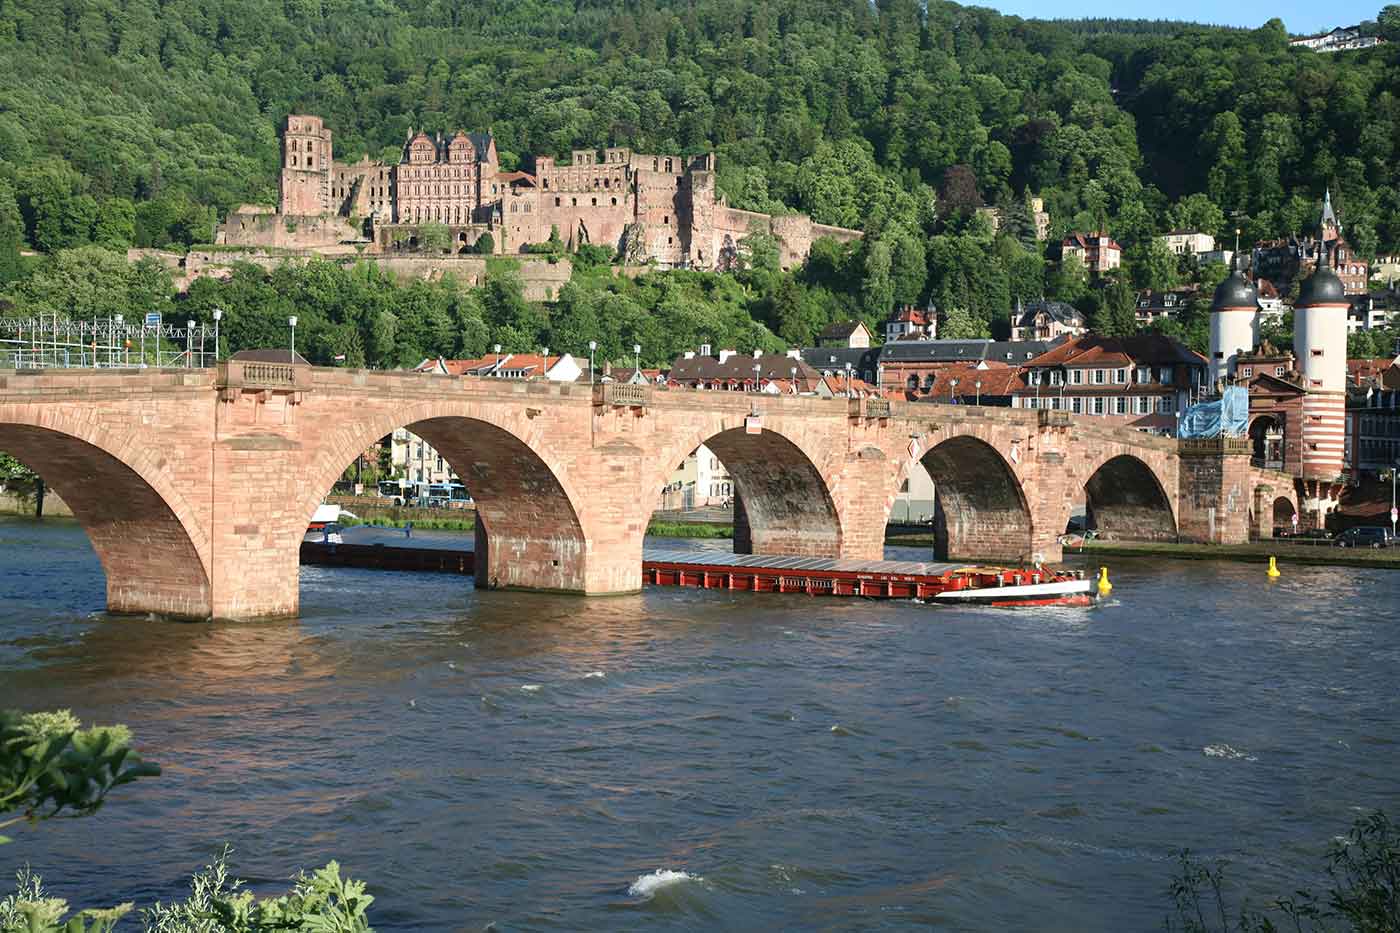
<point x="913" y="383"/>
<point x="614" y="202"/>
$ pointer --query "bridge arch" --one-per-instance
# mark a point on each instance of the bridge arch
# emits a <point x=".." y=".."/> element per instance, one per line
<point x="981" y="509"/>
<point x="1126" y="500"/>
<point x="531" y="533"/>
<point x="783" y="502"/>
<point x="154" y="553"/>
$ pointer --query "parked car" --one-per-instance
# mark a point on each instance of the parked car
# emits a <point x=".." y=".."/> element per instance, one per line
<point x="1366" y="536"/>
<point x="1311" y="535"/>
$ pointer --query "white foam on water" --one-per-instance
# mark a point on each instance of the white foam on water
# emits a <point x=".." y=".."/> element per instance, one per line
<point x="594" y="675"/>
<point x="530" y="688"/>
<point x="648" y="885"/>
<point x="1225" y="751"/>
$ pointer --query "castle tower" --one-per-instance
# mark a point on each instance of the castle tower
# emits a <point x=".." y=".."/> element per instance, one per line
<point x="304" y="189"/>
<point x="1234" y="325"/>
<point x="1320" y="346"/>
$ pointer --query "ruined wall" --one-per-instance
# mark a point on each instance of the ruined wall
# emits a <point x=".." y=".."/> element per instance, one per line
<point x="286" y="231"/>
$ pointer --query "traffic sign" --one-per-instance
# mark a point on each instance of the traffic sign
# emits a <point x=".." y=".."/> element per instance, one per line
<point x="1394" y="515"/>
<point x="153" y="319"/>
<point x="1295" y="520"/>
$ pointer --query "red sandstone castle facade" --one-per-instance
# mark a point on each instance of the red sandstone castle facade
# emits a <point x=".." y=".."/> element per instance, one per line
<point x="659" y="208"/>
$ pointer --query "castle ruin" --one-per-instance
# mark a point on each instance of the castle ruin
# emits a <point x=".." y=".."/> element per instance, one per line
<point x="662" y="209"/>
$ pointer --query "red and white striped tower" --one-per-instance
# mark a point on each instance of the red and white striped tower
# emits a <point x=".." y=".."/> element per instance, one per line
<point x="1320" y="346"/>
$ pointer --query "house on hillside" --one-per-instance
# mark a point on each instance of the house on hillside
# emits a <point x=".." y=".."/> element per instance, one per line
<point x="853" y="334"/>
<point x="911" y="323"/>
<point x="1340" y="39"/>
<point x="1046" y="320"/>
<point x="1097" y="251"/>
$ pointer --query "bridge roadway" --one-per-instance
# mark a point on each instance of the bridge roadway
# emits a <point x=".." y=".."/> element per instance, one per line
<point x="195" y="486"/>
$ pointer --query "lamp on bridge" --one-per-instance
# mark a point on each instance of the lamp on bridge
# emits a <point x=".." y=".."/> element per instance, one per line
<point x="292" y="323"/>
<point x="952" y="388"/>
<point x="218" y="315"/>
<point x="978" y="384"/>
<point x="848" y="380"/>
<point x="794" y="380"/>
<point x="636" y="360"/>
<point x="592" y="346"/>
<point x="189" y="343"/>
<point x="117" y="325"/>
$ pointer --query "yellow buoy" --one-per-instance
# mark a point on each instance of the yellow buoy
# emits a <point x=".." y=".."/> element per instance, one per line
<point x="1273" y="569"/>
<point x="1104" y="586"/>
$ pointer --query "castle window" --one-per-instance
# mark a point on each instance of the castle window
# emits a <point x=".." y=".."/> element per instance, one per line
<point x="294" y="161"/>
<point x="666" y="219"/>
<point x="595" y="201"/>
<point x="653" y="165"/>
<point x="668" y="165"/>
<point x="556" y="201"/>
<point x="606" y="183"/>
<point x="614" y="202"/>
<point x="308" y="161"/>
<point x="573" y="202"/>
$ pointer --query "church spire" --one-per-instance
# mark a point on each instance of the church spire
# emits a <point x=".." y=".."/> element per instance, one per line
<point x="1329" y="223"/>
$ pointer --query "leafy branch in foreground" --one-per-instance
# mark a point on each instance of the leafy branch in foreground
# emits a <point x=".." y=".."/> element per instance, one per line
<point x="1364" y="896"/>
<point x="322" y="902"/>
<point x="49" y="764"/>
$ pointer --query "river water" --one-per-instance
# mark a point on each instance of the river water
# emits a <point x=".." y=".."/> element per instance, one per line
<point x="806" y="762"/>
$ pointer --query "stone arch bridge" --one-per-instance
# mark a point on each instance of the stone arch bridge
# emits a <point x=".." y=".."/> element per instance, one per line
<point x="196" y="486"/>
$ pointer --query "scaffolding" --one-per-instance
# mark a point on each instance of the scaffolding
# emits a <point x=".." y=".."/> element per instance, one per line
<point x="105" y="343"/>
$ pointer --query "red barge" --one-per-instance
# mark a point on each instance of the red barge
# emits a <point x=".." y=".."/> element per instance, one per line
<point x="937" y="582"/>
<point x="934" y="582"/>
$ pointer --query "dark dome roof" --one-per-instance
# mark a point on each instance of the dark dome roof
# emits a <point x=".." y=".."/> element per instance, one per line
<point x="1235" y="292"/>
<point x="1322" y="288"/>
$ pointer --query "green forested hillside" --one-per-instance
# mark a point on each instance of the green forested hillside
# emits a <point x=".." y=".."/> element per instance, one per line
<point x="135" y="121"/>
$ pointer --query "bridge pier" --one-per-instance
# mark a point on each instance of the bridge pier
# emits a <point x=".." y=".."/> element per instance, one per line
<point x="1216" y="493"/>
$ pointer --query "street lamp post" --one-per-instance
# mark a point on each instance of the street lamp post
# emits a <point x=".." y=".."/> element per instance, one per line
<point x="636" y="360"/>
<point x="218" y="316"/>
<point x="189" y="344"/>
<point x="117" y="322"/>
<point x="952" y="389"/>
<point x="1393" y="471"/>
<point x="848" y="380"/>
<point x="793" y="372"/>
<point x="592" y="346"/>
<point x="545" y="370"/>
<point x="978" y="384"/>
<point x="757" y="369"/>
<point x="292" y="323"/>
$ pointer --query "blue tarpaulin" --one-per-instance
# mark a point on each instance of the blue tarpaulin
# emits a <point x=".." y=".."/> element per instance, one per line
<point x="1227" y="416"/>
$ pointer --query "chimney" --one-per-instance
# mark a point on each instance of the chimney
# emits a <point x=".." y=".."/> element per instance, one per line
<point x="704" y="349"/>
<point x="723" y="354"/>
<point x="794" y="354"/>
<point x="758" y="354"/>
<point x="690" y="354"/>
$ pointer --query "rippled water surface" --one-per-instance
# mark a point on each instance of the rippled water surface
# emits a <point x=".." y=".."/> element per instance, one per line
<point x="701" y="760"/>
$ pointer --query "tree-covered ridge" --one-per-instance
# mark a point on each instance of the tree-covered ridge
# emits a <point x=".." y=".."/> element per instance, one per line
<point x="179" y="101"/>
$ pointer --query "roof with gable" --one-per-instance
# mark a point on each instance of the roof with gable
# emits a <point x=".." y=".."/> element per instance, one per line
<point x="861" y="359"/>
<point x="1000" y="382"/>
<point x="1006" y="352"/>
<point x="840" y="330"/>
<point x="1145" y="349"/>
<point x="1056" y="310"/>
<point x="528" y="364"/>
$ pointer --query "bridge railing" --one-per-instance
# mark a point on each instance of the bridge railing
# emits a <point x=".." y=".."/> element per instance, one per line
<point x="622" y="394"/>
<point x="1216" y="445"/>
<point x="868" y="407"/>
<point x="248" y="374"/>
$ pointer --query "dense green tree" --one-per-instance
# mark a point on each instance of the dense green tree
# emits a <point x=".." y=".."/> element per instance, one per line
<point x="115" y="227"/>
<point x="11" y="235"/>
<point x="1117" y="315"/>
